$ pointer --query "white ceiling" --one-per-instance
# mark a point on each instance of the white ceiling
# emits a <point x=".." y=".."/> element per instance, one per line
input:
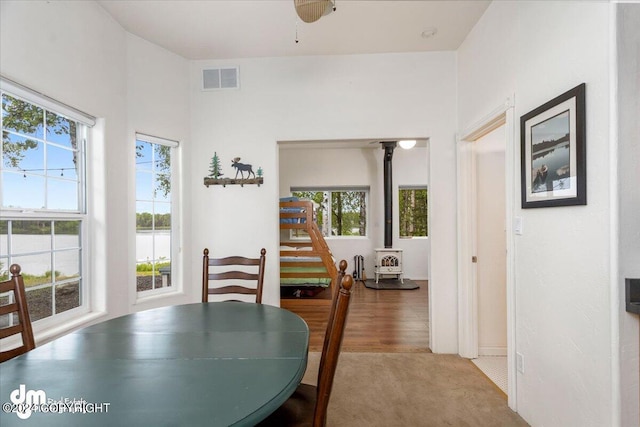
<point x="223" y="29"/>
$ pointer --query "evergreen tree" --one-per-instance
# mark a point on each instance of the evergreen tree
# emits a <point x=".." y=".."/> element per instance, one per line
<point x="215" y="169"/>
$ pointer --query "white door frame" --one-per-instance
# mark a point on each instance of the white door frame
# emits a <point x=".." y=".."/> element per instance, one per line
<point x="503" y="115"/>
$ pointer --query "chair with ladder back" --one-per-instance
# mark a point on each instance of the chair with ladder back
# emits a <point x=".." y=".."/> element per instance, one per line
<point x="231" y="274"/>
<point x="16" y="310"/>
<point x="308" y="404"/>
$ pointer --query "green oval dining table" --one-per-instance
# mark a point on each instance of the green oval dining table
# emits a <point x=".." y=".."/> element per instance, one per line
<point x="213" y="364"/>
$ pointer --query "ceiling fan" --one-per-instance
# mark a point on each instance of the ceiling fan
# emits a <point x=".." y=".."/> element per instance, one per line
<point x="312" y="10"/>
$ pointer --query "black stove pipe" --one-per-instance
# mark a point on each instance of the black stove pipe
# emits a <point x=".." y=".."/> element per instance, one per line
<point x="388" y="192"/>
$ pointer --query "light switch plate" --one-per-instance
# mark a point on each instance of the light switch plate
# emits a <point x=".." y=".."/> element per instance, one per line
<point x="517" y="225"/>
<point x="520" y="362"/>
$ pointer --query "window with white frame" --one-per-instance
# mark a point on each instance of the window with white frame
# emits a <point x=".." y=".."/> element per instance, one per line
<point x="154" y="220"/>
<point x="413" y="207"/>
<point x="43" y="217"/>
<point x="340" y="212"/>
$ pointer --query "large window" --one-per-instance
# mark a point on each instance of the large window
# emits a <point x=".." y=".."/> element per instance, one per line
<point x="340" y="212"/>
<point x="42" y="199"/>
<point x="154" y="223"/>
<point x="413" y="207"/>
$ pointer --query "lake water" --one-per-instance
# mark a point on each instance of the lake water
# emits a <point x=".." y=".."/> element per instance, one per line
<point x="145" y="243"/>
<point x="557" y="162"/>
<point x="67" y="260"/>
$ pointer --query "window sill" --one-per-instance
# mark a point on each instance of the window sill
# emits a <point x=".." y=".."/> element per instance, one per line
<point x="49" y="334"/>
<point x="158" y="296"/>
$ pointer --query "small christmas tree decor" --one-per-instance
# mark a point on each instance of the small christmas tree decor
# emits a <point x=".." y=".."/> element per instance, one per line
<point x="215" y="169"/>
<point x="259" y="172"/>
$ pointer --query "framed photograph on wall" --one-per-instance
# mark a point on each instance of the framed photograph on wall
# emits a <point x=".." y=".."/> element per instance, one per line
<point x="552" y="150"/>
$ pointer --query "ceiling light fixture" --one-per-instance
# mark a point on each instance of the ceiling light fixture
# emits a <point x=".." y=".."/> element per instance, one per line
<point x="407" y="143"/>
<point x="312" y="10"/>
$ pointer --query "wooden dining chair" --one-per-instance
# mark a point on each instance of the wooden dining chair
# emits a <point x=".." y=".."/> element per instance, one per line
<point x="342" y="268"/>
<point x="308" y="404"/>
<point x="229" y="272"/>
<point x="15" y="285"/>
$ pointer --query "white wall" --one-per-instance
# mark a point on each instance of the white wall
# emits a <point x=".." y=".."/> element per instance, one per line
<point x="323" y="98"/>
<point x="302" y="167"/>
<point x="76" y="53"/>
<point x="538" y="50"/>
<point x="628" y="159"/>
<point x="158" y="105"/>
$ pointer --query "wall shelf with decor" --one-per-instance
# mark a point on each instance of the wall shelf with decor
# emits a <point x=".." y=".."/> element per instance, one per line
<point x="232" y="181"/>
<point x="215" y="176"/>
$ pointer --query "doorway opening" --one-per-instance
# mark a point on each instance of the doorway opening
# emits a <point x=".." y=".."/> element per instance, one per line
<point x="490" y="259"/>
<point x="336" y="165"/>
<point x="486" y="279"/>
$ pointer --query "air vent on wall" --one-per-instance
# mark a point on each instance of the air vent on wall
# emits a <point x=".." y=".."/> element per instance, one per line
<point x="220" y="78"/>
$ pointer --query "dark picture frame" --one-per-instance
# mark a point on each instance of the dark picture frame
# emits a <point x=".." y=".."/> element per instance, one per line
<point x="553" y="152"/>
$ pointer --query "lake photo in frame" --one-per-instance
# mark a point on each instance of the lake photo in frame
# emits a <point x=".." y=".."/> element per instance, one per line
<point x="550" y="154"/>
<point x="553" y="160"/>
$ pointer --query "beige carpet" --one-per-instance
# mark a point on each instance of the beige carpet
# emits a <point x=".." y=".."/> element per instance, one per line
<point x="412" y="389"/>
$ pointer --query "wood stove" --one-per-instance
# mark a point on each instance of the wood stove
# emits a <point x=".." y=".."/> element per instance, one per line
<point x="388" y="261"/>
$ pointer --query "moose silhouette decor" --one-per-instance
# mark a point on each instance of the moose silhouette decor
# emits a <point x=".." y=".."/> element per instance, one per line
<point x="240" y="168"/>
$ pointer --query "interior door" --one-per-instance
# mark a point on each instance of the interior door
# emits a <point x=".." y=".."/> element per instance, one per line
<point x="502" y="120"/>
<point x="491" y="243"/>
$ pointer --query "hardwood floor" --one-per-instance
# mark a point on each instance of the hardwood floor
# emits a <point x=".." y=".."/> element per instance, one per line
<point x="384" y="321"/>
